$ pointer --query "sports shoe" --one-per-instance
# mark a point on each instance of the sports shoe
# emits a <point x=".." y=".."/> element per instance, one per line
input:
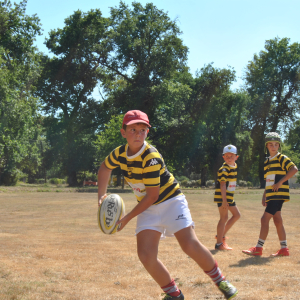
<point x="254" y="251"/>
<point x="227" y="289"/>
<point x="282" y="252"/>
<point x="226" y="246"/>
<point x="169" y="297"/>
<point x="223" y="246"/>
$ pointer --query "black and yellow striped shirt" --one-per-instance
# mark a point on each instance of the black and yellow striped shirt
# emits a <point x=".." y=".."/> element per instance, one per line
<point x="274" y="170"/>
<point x="144" y="169"/>
<point x="227" y="174"/>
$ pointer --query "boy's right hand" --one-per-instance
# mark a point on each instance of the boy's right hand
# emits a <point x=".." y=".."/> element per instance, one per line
<point x="225" y="205"/>
<point x="263" y="202"/>
<point x="101" y="199"/>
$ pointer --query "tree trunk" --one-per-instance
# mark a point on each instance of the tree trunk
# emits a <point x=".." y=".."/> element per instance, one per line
<point x="203" y="176"/>
<point x="72" y="178"/>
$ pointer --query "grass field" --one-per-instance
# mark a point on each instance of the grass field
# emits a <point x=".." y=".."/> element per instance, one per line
<point x="51" y="248"/>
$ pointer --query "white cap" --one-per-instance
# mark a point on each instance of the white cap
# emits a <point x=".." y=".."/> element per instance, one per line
<point x="230" y="149"/>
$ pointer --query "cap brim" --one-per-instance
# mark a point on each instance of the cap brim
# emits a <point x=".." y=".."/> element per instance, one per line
<point x="137" y="121"/>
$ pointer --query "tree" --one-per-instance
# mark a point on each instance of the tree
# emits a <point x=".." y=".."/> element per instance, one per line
<point x="65" y="89"/>
<point x="189" y="121"/>
<point x="273" y="82"/>
<point x="130" y="54"/>
<point x="19" y="69"/>
<point x="147" y="52"/>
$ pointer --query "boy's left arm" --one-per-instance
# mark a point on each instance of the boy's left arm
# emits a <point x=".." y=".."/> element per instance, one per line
<point x="152" y="194"/>
<point x="293" y="170"/>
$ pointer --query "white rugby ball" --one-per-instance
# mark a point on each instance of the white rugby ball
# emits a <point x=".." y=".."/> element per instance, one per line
<point x="111" y="210"/>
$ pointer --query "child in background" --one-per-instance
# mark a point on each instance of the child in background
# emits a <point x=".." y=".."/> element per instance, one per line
<point x="227" y="176"/>
<point x="162" y="209"/>
<point x="278" y="169"/>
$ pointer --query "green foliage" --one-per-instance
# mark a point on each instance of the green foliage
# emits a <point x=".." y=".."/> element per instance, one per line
<point x="242" y="183"/>
<point x="294" y="155"/>
<point x="57" y="181"/>
<point x="147" y="52"/>
<point x="273" y="83"/>
<point x="19" y="70"/>
<point x="182" y="178"/>
<point x="138" y="60"/>
<point x="110" y="138"/>
<point x="249" y="184"/>
<point x="210" y="183"/>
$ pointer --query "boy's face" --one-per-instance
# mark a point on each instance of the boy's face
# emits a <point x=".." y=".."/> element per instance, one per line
<point x="273" y="147"/>
<point x="135" y="135"/>
<point x="230" y="158"/>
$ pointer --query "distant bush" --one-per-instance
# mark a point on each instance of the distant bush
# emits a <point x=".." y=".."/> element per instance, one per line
<point x="249" y="184"/>
<point x="57" y="181"/>
<point x="11" y="178"/>
<point x="184" y="183"/>
<point x="210" y="183"/>
<point x="85" y="176"/>
<point x="182" y="178"/>
<point x="242" y="183"/>
<point x="191" y="183"/>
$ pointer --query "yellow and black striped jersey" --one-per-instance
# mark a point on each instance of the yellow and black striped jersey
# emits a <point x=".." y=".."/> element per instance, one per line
<point x="227" y="174"/>
<point x="144" y="169"/>
<point x="275" y="169"/>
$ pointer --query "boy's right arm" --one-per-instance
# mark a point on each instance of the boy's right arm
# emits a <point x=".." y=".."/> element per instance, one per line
<point x="263" y="201"/>
<point x="103" y="179"/>
<point x="224" y="194"/>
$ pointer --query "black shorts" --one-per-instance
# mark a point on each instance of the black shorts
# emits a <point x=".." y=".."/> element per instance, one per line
<point x="273" y="206"/>
<point x="230" y="204"/>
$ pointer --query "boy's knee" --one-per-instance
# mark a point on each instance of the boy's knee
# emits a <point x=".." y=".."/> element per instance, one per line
<point x="145" y="256"/>
<point x="237" y="215"/>
<point x="190" y="247"/>
<point x="264" y="221"/>
<point x="277" y="221"/>
<point x="224" y="219"/>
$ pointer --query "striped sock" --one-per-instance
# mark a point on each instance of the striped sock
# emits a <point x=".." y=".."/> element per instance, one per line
<point x="260" y="243"/>
<point x="283" y="244"/>
<point x="171" y="289"/>
<point x="215" y="274"/>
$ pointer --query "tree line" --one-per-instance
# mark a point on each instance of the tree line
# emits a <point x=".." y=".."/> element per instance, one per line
<point x="52" y="126"/>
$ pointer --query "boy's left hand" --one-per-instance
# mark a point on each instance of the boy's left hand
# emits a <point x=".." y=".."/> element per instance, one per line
<point x="122" y="223"/>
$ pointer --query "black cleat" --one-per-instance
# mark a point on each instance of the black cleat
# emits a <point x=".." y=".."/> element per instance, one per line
<point x="227" y="289"/>
<point x="168" y="297"/>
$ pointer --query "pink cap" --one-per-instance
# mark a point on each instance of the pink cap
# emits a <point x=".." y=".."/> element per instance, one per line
<point x="135" y="116"/>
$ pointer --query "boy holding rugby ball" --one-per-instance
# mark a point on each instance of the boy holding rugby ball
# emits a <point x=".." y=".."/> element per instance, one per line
<point x="162" y="209"/>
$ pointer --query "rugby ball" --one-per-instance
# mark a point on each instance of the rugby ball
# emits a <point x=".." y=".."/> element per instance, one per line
<point x="111" y="210"/>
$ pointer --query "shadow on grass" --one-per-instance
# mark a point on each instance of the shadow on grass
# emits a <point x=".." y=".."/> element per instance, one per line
<point x="252" y="260"/>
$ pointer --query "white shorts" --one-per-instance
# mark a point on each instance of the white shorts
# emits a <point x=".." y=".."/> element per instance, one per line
<point x="167" y="217"/>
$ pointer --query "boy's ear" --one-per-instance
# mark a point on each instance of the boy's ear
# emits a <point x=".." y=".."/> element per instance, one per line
<point x="123" y="133"/>
<point x="237" y="157"/>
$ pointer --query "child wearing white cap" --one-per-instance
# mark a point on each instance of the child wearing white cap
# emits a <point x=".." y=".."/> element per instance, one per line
<point x="224" y="196"/>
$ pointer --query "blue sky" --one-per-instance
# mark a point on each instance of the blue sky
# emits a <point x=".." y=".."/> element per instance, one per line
<point x="225" y="32"/>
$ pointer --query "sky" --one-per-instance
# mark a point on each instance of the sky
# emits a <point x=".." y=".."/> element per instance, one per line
<point x="222" y="32"/>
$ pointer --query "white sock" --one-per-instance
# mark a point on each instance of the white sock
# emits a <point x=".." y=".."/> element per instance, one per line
<point x="260" y="243"/>
<point x="283" y="244"/>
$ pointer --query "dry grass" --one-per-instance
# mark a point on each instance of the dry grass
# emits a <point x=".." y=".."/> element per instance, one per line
<point x="51" y="248"/>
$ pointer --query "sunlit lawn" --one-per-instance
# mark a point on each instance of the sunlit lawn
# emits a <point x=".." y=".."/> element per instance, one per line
<point x="51" y="248"/>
